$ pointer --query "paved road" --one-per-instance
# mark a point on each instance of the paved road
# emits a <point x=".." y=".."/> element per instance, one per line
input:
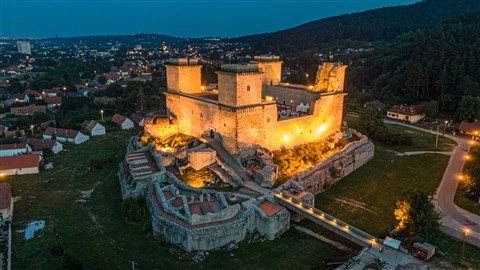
<point x="446" y="191"/>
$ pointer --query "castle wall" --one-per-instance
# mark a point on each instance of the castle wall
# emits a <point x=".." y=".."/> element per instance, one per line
<point x="290" y="96"/>
<point x="272" y="72"/>
<point x="185" y="79"/>
<point x="332" y="169"/>
<point x="325" y="120"/>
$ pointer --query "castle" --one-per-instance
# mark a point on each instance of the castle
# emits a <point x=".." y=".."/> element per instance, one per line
<point x="251" y="108"/>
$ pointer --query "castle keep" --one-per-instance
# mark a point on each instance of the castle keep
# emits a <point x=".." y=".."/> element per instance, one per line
<point x="251" y="107"/>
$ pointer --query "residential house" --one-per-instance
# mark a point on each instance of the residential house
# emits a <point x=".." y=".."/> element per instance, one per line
<point x="14" y="133"/>
<point x="65" y="135"/>
<point x="122" y="121"/>
<point x="6" y="202"/>
<point x="28" y="110"/>
<point x="470" y="128"/>
<point x="18" y="98"/>
<point x="53" y="102"/>
<point x="137" y="119"/>
<point x="41" y="144"/>
<point x="93" y="128"/>
<point x="18" y="165"/>
<point x="51" y="92"/>
<point x="411" y="114"/>
<point x="35" y="94"/>
<point x="14" y="149"/>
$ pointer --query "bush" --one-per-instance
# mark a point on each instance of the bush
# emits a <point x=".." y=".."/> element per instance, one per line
<point x="135" y="209"/>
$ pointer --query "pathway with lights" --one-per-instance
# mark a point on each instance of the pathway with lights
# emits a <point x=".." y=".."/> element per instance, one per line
<point x="329" y="222"/>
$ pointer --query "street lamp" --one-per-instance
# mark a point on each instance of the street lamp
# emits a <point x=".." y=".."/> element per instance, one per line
<point x="465" y="234"/>
<point x="31" y="128"/>
<point x="444" y="127"/>
<point x="101" y="112"/>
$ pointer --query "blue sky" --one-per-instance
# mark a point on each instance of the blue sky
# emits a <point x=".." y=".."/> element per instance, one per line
<point x="182" y="18"/>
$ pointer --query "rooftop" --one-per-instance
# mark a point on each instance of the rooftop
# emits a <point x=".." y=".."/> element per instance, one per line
<point x="240" y="67"/>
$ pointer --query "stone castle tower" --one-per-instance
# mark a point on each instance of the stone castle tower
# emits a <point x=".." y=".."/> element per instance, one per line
<point x="330" y="78"/>
<point x="184" y="75"/>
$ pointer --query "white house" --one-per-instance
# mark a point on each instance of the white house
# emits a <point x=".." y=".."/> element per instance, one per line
<point x="17" y="165"/>
<point x="65" y="135"/>
<point x="14" y="149"/>
<point x="122" y="121"/>
<point x="40" y="144"/>
<point x="93" y="127"/>
<point x="137" y="119"/>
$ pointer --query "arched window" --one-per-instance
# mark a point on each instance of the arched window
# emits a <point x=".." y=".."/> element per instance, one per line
<point x="248" y="88"/>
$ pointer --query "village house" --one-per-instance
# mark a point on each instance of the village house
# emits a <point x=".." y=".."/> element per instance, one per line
<point x="14" y="149"/>
<point x="137" y="119"/>
<point x="6" y="202"/>
<point x="28" y="110"/>
<point x="122" y="122"/>
<point x="93" y="128"/>
<point x="15" y="133"/>
<point x="470" y="128"/>
<point x="18" y="165"/>
<point x="411" y="114"/>
<point x="53" y="102"/>
<point x="41" y="144"/>
<point x="35" y="94"/>
<point x="18" y="98"/>
<point x="65" y="135"/>
<point x="51" y="92"/>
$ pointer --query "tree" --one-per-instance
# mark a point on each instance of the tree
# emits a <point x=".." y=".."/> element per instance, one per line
<point x="102" y="79"/>
<point x="468" y="108"/>
<point x="430" y="108"/>
<point x="371" y="121"/>
<point x="416" y="214"/>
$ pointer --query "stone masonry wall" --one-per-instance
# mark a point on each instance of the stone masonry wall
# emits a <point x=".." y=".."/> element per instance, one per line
<point x="335" y="167"/>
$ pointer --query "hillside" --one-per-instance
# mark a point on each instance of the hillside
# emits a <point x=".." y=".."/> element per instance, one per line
<point x="440" y="64"/>
<point x="377" y="24"/>
<point x="124" y="39"/>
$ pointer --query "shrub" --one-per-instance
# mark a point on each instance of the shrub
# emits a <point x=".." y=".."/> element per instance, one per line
<point x="135" y="209"/>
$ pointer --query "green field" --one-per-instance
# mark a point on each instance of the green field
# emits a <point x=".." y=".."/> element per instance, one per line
<point x="466" y="203"/>
<point x="95" y="232"/>
<point x="422" y="141"/>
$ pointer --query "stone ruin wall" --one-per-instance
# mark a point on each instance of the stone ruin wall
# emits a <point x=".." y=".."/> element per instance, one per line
<point x="329" y="171"/>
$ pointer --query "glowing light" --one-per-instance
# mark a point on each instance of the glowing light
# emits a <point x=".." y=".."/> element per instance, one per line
<point x="467" y="157"/>
<point x="2" y="174"/>
<point x="472" y="142"/>
<point x="286" y="138"/>
<point x="322" y="129"/>
<point x="460" y="177"/>
<point x="466" y="231"/>
<point x="202" y="87"/>
<point x="269" y="98"/>
<point x="310" y="87"/>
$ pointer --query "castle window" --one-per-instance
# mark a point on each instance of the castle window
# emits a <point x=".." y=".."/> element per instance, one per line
<point x="248" y="88"/>
<point x="224" y="124"/>
<point x="268" y="119"/>
<point x="192" y="111"/>
<point x="201" y="114"/>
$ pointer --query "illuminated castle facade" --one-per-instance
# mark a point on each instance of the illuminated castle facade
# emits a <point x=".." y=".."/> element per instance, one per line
<point x="251" y="107"/>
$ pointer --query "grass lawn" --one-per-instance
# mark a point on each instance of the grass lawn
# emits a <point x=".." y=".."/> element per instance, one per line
<point x="466" y="203"/>
<point x="93" y="230"/>
<point x="422" y="141"/>
<point x="366" y="198"/>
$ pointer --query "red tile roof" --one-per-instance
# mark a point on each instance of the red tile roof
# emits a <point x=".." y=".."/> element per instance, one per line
<point x="28" y="110"/>
<point x="136" y="118"/>
<point x="269" y="208"/>
<point x="19" y="162"/>
<point x="53" y="100"/>
<point x="470" y="127"/>
<point x="31" y="92"/>
<point x="13" y="133"/>
<point x="406" y="110"/>
<point x="5" y="195"/>
<point x="39" y="144"/>
<point x="13" y="146"/>
<point x="118" y="119"/>
<point x="60" y="132"/>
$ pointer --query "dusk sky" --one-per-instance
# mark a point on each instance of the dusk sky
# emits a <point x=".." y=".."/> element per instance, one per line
<point x="182" y="18"/>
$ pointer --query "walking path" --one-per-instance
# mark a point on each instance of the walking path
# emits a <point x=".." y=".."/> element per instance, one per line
<point x="453" y="217"/>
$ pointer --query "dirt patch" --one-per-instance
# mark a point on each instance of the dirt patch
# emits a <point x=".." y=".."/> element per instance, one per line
<point x="354" y="203"/>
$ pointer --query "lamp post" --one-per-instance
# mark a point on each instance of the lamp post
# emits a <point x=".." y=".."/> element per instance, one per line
<point x="31" y="128"/>
<point x="465" y="234"/>
<point x="444" y="127"/>
<point x="475" y="134"/>
<point x="101" y="112"/>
